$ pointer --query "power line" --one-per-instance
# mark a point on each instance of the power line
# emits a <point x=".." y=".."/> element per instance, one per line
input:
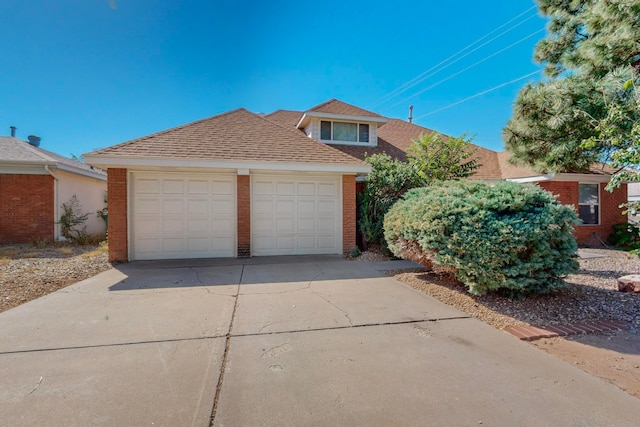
<point x="466" y="68"/>
<point x="421" y="77"/>
<point x="478" y="94"/>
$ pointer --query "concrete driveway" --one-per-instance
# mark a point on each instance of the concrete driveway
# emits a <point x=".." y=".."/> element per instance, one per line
<point x="278" y="342"/>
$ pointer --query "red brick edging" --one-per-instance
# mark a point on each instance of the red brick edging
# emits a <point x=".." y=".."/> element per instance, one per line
<point x="530" y="333"/>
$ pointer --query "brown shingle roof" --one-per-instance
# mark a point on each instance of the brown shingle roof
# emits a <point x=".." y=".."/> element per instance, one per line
<point x="285" y="117"/>
<point x="396" y="136"/>
<point x="335" y="106"/>
<point x="237" y="135"/>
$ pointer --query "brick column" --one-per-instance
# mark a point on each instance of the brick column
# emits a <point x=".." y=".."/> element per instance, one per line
<point x="244" y="216"/>
<point x="117" y="203"/>
<point x="348" y="213"/>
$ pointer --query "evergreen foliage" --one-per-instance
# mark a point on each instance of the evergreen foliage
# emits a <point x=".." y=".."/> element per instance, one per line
<point x="592" y="54"/>
<point x="508" y="237"/>
<point x="432" y="157"/>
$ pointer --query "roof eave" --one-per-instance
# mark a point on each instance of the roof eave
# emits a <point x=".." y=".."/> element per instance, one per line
<point x="306" y="117"/>
<point x="105" y="162"/>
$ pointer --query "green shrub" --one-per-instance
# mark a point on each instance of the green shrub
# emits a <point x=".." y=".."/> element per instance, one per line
<point x="72" y="220"/>
<point x="625" y="236"/>
<point x="388" y="180"/>
<point x="516" y="238"/>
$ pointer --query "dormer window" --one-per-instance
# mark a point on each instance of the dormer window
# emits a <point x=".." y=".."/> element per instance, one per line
<point x="344" y="131"/>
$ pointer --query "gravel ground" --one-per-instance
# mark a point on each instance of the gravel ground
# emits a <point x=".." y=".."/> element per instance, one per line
<point x="591" y="294"/>
<point x="28" y="272"/>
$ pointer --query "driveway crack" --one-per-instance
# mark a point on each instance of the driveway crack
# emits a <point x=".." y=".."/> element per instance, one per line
<point x="344" y="313"/>
<point x="223" y="365"/>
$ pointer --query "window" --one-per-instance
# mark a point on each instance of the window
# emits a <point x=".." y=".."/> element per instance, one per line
<point x="589" y="204"/>
<point x="344" y="131"/>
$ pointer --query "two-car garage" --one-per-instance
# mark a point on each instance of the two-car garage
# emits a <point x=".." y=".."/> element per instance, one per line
<point x="194" y="215"/>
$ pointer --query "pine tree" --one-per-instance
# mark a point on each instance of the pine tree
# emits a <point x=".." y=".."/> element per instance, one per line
<point x="592" y="57"/>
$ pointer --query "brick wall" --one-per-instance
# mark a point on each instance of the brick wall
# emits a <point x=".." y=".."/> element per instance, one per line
<point x="26" y="208"/>
<point x="244" y="216"/>
<point x="348" y="213"/>
<point x="117" y="202"/>
<point x="610" y="211"/>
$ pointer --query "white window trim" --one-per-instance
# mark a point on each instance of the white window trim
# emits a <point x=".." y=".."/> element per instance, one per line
<point x="370" y="143"/>
<point x="583" y="204"/>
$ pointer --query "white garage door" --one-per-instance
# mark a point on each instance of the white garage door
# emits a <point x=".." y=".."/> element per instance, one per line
<point x="294" y="215"/>
<point x="183" y="215"/>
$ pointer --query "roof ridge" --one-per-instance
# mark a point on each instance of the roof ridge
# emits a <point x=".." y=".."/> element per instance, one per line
<point x="322" y="104"/>
<point x="163" y="132"/>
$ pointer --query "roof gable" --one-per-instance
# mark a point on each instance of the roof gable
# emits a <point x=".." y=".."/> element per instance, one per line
<point x="335" y="106"/>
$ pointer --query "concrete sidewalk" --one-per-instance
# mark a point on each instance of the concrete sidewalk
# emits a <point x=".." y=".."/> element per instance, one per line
<point x="283" y="341"/>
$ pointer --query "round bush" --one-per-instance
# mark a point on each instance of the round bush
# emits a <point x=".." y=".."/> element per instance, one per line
<point x="506" y="236"/>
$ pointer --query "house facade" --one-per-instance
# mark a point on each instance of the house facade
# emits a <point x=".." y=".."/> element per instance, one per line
<point x="34" y="183"/>
<point x="241" y="184"/>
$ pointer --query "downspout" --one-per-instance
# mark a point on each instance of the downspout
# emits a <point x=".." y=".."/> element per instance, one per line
<point x="56" y="209"/>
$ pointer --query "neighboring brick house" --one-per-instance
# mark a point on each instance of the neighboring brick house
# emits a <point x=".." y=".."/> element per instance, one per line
<point x="244" y="184"/>
<point x="34" y="183"/>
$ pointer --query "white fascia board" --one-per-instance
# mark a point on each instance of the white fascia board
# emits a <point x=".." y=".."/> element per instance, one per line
<point x="582" y="177"/>
<point x="130" y="162"/>
<point x="83" y="172"/>
<point x="565" y="177"/>
<point x="538" y="178"/>
<point x="304" y="120"/>
<point x="22" y="169"/>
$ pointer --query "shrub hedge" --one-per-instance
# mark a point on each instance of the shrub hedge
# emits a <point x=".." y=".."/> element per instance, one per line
<point x="509" y="237"/>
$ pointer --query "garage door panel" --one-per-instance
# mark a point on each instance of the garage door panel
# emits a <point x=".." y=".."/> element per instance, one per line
<point x="262" y="207"/>
<point x="306" y="225"/>
<point x="198" y="187"/>
<point x="173" y="186"/>
<point x="285" y="207"/>
<point x="295" y="215"/>
<point x="306" y="207"/>
<point x="148" y="186"/>
<point x="197" y="226"/>
<point x="306" y="242"/>
<point x="306" y="189"/>
<point x="285" y="243"/>
<point x="327" y="190"/>
<point x="147" y="206"/>
<point x="198" y="206"/>
<point x="172" y="206"/>
<point x="174" y="245"/>
<point x="149" y="227"/>
<point x="221" y="226"/>
<point x="326" y="207"/>
<point x="285" y="189"/>
<point x="222" y="188"/>
<point x="173" y="227"/>
<point x="223" y="207"/>
<point x="285" y="225"/>
<point x="183" y="215"/>
<point x="326" y="225"/>
<point x="262" y="188"/>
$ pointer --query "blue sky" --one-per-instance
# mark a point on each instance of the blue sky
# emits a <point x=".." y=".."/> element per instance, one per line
<point x="86" y="74"/>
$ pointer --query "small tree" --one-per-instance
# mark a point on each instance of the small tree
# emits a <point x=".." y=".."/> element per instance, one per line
<point x="71" y="220"/>
<point x="437" y="157"/>
<point x="432" y="157"/>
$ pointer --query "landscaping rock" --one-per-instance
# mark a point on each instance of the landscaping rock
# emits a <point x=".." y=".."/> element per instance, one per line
<point x="630" y="283"/>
